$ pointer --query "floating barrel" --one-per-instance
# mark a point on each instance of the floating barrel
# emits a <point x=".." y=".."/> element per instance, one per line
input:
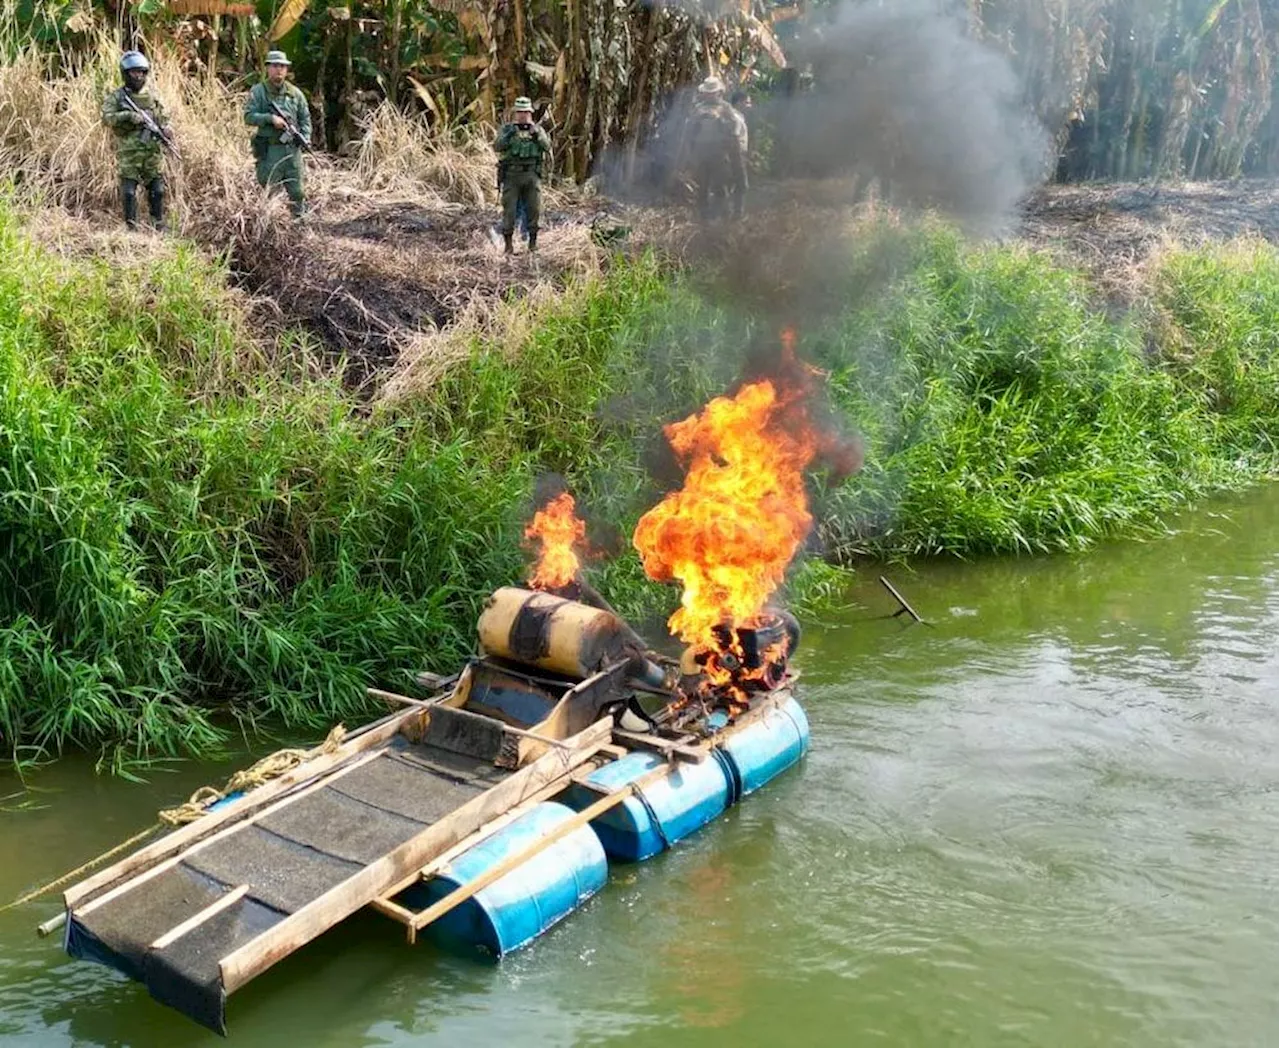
<point x="766" y="747"/>
<point x="661" y="812"/>
<point x="524" y="903"/>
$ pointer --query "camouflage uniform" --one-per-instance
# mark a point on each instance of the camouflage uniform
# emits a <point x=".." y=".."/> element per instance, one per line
<point x="521" y="148"/>
<point x="139" y="155"/>
<point x="279" y="161"/>
<point x="715" y="153"/>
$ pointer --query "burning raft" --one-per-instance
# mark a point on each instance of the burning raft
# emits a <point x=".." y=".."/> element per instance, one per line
<point x="485" y="814"/>
<point x="480" y="816"/>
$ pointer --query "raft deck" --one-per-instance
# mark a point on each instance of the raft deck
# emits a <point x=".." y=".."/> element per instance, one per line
<point x="209" y="907"/>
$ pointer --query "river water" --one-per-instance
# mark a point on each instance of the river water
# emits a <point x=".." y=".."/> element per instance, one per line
<point x="1050" y="819"/>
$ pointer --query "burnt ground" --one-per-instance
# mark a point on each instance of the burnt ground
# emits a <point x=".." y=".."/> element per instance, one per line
<point x="1111" y="229"/>
<point x="384" y="280"/>
<point x="370" y="276"/>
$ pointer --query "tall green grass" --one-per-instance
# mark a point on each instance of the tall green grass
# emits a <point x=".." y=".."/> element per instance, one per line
<point x="199" y="530"/>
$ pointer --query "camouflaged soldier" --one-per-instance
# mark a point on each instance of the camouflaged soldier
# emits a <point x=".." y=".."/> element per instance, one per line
<point x="282" y="134"/>
<point x="139" y="155"/>
<point x="715" y="150"/>
<point x="521" y="146"/>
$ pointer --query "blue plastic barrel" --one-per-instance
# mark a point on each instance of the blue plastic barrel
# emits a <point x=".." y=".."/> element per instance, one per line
<point x="662" y="812"/>
<point x="522" y="904"/>
<point x="767" y="747"/>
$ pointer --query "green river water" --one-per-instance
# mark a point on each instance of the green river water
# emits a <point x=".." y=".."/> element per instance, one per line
<point x="1049" y="820"/>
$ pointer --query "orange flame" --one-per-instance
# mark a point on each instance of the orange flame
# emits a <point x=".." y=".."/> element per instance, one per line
<point x="556" y="530"/>
<point x="730" y="532"/>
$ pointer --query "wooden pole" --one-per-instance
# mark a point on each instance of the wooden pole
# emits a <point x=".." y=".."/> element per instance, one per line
<point x="405" y="700"/>
<point x="903" y="606"/>
<point x="461" y="894"/>
<point x="373" y="881"/>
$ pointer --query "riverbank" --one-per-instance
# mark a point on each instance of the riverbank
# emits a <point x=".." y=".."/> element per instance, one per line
<point x="1052" y="817"/>
<point x="207" y="526"/>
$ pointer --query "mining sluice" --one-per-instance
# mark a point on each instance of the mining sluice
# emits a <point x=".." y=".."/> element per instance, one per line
<point x="478" y="816"/>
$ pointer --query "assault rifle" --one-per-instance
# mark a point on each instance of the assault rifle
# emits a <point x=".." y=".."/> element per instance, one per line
<point x="149" y="123"/>
<point x="291" y="129"/>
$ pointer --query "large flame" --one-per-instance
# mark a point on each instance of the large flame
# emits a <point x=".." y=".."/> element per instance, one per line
<point x="730" y="532"/>
<point x="557" y="531"/>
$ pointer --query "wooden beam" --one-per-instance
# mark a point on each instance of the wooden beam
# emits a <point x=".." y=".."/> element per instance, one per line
<point x="464" y="892"/>
<point x="393" y="910"/>
<point x="195" y="920"/>
<point x="661" y="745"/>
<point x="372" y="882"/>
<point x="206" y="824"/>
<point x="511" y="729"/>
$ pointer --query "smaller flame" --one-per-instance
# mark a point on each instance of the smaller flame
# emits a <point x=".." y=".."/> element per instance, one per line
<point x="557" y="532"/>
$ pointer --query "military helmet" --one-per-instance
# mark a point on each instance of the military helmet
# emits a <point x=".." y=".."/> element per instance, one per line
<point x="523" y="105"/>
<point x="131" y="60"/>
<point x="712" y="85"/>
<point x="278" y="58"/>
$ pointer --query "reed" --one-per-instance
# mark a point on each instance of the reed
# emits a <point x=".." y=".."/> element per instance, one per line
<point x="202" y="529"/>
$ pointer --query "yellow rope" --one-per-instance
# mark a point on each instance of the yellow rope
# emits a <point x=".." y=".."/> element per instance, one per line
<point x="270" y="767"/>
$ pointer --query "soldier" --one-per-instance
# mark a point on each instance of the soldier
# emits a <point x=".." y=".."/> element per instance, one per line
<point x="715" y="149"/>
<point x="138" y="150"/>
<point x="279" y="111"/>
<point x="521" y="147"/>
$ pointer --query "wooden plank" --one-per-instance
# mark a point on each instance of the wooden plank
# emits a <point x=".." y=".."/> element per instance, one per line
<point x="200" y="845"/>
<point x="372" y="882"/>
<point x="461" y="894"/>
<point x="206" y="824"/>
<point x="195" y="920"/>
<point x="393" y="910"/>
<point x="510" y="729"/>
<point x="661" y="745"/>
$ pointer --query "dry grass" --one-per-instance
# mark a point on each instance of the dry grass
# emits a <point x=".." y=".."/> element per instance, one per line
<point x="402" y="241"/>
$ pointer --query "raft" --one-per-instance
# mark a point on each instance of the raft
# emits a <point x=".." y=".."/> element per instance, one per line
<point x="478" y="818"/>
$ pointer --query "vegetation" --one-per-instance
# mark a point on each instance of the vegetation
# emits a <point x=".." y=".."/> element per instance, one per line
<point x="1125" y="90"/>
<point x="199" y="528"/>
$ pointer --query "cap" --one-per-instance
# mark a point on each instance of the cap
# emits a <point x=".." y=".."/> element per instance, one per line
<point x="712" y="85"/>
<point x="278" y="58"/>
<point x="134" y="60"/>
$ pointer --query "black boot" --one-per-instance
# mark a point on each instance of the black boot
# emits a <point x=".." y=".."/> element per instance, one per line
<point x="155" y="198"/>
<point x="533" y="240"/>
<point x="129" y="198"/>
<point x="507" y="249"/>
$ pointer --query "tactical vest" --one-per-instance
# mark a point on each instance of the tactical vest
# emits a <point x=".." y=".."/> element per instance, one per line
<point x="524" y="152"/>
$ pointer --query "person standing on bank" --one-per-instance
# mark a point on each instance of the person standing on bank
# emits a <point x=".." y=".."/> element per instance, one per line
<point x="138" y="148"/>
<point x="522" y="147"/>
<point x="278" y="109"/>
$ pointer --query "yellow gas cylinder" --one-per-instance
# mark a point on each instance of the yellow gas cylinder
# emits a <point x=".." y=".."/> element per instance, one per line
<point x="549" y="632"/>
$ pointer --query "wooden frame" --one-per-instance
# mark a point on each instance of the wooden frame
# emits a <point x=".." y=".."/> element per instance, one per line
<point x="181" y="838"/>
<point x="373" y="881"/>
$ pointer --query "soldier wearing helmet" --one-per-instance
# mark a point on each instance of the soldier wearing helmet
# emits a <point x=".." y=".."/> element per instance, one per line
<point x="714" y="150"/>
<point x="277" y="150"/>
<point x="138" y="150"/>
<point x="522" y="146"/>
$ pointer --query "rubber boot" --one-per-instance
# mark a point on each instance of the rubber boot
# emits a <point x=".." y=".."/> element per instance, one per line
<point x="129" y="198"/>
<point x="533" y="240"/>
<point x="155" y="199"/>
<point x="507" y="249"/>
